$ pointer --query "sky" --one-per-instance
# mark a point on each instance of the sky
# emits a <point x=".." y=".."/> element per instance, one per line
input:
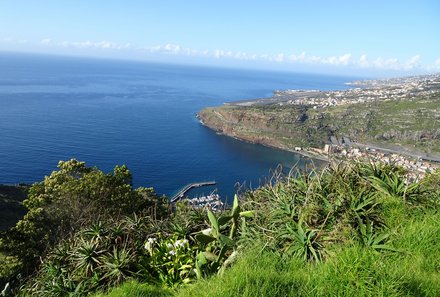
<point x="342" y="37"/>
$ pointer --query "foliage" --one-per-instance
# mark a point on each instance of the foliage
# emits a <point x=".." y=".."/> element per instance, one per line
<point x="70" y="198"/>
<point x="220" y="250"/>
<point x="349" y="229"/>
<point x="99" y="256"/>
<point x="304" y="213"/>
<point x="430" y="186"/>
<point x="171" y="260"/>
<point x="349" y="269"/>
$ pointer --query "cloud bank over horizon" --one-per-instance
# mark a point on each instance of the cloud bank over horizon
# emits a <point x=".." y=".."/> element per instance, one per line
<point x="412" y="65"/>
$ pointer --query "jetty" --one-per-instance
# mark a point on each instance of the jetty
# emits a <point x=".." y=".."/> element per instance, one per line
<point x="188" y="187"/>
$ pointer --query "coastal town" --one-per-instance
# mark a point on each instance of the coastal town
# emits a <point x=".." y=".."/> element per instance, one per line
<point x="364" y="91"/>
<point x="416" y="167"/>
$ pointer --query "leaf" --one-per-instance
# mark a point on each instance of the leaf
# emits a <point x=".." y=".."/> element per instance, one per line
<point x="224" y="219"/>
<point x="221" y="254"/>
<point x="202" y="238"/>
<point x="226" y="240"/>
<point x="213" y="220"/>
<point x="235" y="207"/>
<point x="210" y="256"/>
<point x="247" y="214"/>
<point x="201" y="260"/>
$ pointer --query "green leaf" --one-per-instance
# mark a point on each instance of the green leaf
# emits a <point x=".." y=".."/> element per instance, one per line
<point x="226" y="240"/>
<point x="213" y="220"/>
<point x="201" y="260"/>
<point x="202" y="238"/>
<point x="223" y="220"/>
<point x="221" y="254"/>
<point x="210" y="256"/>
<point x="247" y="214"/>
<point x="235" y="207"/>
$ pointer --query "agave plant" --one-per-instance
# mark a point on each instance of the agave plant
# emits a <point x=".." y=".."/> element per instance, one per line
<point x="376" y="241"/>
<point x="394" y="185"/>
<point x="117" y="265"/>
<point x="302" y="242"/>
<point x="96" y="231"/>
<point x="86" y="258"/>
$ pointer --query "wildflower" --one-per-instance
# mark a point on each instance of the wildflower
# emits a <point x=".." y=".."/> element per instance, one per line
<point x="170" y="245"/>
<point x="172" y="252"/>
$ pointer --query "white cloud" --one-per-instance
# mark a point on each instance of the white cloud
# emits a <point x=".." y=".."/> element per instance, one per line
<point x="14" y="41"/>
<point x="345" y="60"/>
<point x="85" y="44"/>
<point x="363" y="61"/>
<point x="413" y="62"/>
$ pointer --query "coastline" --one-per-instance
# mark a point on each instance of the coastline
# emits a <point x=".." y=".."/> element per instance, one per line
<point x="309" y="153"/>
<point x="417" y="167"/>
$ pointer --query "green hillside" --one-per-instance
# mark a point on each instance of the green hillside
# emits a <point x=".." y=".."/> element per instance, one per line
<point x="407" y="124"/>
<point x="351" y="228"/>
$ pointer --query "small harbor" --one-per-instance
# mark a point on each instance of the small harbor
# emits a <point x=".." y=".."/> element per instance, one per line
<point x="179" y="195"/>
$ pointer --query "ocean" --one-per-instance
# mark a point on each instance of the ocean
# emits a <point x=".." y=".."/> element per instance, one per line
<point x="109" y="112"/>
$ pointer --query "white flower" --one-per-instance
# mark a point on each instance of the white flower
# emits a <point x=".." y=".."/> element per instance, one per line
<point x="185" y="241"/>
<point x="149" y="243"/>
<point x="172" y="252"/>
<point x="179" y="243"/>
<point x="170" y="245"/>
<point x="207" y="231"/>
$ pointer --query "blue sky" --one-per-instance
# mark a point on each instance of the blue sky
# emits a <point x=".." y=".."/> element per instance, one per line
<point x="344" y="37"/>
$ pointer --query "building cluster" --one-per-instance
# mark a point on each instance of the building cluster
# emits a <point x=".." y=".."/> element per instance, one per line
<point x="365" y="91"/>
<point x="416" y="168"/>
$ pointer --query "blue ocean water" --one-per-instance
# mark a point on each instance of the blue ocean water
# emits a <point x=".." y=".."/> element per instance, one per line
<point x="108" y="112"/>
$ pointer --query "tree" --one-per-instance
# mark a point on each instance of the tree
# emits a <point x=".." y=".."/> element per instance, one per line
<point x="72" y="197"/>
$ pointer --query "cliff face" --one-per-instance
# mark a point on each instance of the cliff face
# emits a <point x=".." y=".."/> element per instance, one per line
<point x="266" y="125"/>
<point x="409" y="124"/>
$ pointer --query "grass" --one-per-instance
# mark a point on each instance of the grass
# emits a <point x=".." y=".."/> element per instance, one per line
<point x="135" y="289"/>
<point x="349" y="271"/>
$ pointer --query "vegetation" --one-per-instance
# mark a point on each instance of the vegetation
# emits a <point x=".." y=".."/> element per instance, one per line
<point x="11" y="209"/>
<point x="350" y="229"/>
<point x="410" y="124"/>
<point x="71" y="198"/>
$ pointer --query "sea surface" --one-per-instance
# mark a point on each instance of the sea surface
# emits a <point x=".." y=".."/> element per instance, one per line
<point x="108" y="112"/>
